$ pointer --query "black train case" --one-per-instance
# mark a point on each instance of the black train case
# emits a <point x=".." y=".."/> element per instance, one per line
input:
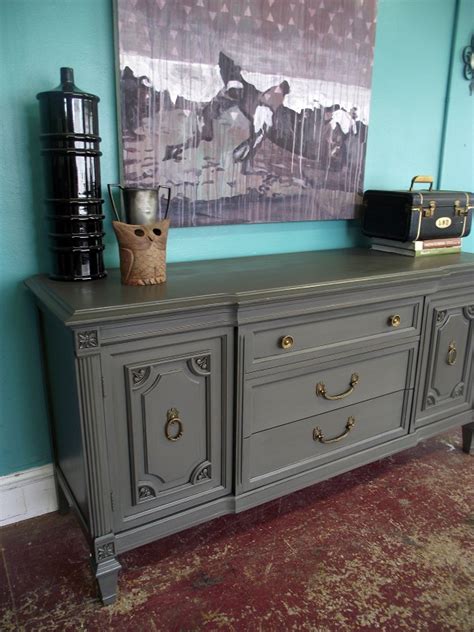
<point x="417" y="214"/>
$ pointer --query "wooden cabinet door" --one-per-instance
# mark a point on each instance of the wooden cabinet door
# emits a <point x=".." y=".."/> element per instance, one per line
<point x="168" y="426"/>
<point x="449" y="358"/>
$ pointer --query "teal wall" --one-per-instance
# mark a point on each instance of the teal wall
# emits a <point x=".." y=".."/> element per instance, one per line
<point x="413" y="118"/>
<point x="457" y="164"/>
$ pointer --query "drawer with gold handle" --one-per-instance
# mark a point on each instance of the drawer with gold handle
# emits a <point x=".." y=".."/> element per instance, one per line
<point x="294" y="447"/>
<point x="299" y="393"/>
<point x="321" y="389"/>
<point x="284" y="341"/>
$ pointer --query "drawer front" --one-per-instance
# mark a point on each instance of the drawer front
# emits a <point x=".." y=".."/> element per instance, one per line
<point x="448" y="385"/>
<point x="272" y="401"/>
<point x="290" y="340"/>
<point x="168" y="421"/>
<point x="280" y="452"/>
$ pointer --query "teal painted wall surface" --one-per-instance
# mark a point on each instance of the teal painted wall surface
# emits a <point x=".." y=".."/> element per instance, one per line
<point x="457" y="164"/>
<point x="408" y="120"/>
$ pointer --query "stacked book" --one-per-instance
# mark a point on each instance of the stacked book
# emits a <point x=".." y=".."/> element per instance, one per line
<point x="424" y="248"/>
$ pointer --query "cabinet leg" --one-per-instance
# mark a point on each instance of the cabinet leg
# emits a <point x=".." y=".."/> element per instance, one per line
<point x="106" y="574"/>
<point x="468" y="438"/>
<point x="105" y="567"/>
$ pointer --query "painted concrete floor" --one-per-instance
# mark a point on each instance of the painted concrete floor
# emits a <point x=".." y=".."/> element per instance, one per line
<point x="387" y="547"/>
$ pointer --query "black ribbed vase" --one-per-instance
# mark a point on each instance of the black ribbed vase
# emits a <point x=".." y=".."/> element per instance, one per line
<point x="70" y="147"/>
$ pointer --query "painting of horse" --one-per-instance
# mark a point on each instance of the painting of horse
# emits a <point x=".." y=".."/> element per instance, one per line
<point x="250" y="110"/>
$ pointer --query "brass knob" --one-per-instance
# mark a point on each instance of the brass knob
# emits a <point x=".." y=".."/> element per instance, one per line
<point x="395" y="320"/>
<point x="287" y="342"/>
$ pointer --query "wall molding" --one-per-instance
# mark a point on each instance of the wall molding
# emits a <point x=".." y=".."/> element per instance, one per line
<point x="27" y="494"/>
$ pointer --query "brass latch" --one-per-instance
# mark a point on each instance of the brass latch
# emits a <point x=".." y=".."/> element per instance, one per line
<point x="426" y="211"/>
<point x="430" y="211"/>
<point x="459" y="210"/>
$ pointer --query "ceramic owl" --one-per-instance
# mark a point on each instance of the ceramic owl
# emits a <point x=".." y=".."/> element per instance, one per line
<point x="142" y="252"/>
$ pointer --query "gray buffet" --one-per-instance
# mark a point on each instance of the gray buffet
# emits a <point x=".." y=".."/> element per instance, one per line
<point x="241" y="380"/>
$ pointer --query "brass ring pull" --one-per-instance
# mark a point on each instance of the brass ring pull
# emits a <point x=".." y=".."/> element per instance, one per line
<point x="172" y="417"/>
<point x="318" y="433"/>
<point x="321" y="389"/>
<point x="395" y="320"/>
<point x="287" y="342"/>
<point x="452" y="354"/>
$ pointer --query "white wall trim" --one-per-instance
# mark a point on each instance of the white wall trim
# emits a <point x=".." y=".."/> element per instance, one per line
<point x="27" y="494"/>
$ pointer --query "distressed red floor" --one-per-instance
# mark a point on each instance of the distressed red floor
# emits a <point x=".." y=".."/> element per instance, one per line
<point x="387" y="547"/>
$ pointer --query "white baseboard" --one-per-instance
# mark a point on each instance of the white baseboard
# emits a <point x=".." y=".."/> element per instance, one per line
<point x="27" y="494"/>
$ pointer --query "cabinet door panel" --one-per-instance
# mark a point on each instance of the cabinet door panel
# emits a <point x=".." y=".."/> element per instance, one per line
<point x="448" y="387"/>
<point x="172" y="460"/>
<point x="452" y="337"/>
<point x="168" y="426"/>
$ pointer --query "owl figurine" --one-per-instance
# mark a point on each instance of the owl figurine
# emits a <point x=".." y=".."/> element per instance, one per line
<point x="142" y="252"/>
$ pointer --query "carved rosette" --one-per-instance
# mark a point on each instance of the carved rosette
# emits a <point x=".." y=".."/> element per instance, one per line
<point x="203" y="472"/>
<point x="87" y="339"/>
<point x="441" y="317"/>
<point x="104" y="551"/>
<point x="140" y="376"/>
<point x="430" y="400"/>
<point x="200" y="365"/>
<point x="458" y="390"/>
<point x="469" y="312"/>
<point x="146" y="492"/>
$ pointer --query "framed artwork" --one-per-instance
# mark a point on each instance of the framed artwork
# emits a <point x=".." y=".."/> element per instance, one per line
<point x="250" y="110"/>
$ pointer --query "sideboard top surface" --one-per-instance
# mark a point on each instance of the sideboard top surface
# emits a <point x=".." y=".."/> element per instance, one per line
<point x="222" y="282"/>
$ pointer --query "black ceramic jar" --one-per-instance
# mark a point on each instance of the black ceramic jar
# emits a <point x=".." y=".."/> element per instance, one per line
<point x="70" y="148"/>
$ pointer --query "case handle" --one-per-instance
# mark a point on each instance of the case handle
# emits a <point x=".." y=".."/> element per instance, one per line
<point x="422" y="180"/>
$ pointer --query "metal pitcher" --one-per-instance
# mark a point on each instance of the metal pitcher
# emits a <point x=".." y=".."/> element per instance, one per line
<point x="140" y="206"/>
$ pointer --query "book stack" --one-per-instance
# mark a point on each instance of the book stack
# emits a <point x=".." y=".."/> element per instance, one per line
<point x="425" y="248"/>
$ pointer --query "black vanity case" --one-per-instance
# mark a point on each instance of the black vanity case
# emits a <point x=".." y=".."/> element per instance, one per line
<point x="417" y="215"/>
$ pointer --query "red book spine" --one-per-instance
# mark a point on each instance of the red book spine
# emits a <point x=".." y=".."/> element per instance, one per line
<point x="450" y="242"/>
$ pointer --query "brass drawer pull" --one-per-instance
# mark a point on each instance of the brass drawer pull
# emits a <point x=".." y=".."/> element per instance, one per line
<point x="172" y="417"/>
<point x="395" y="320"/>
<point x="287" y="342"/>
<point x="321" y="389"/>
<point x="318" y="433"/>
<point x="452" y="354"/>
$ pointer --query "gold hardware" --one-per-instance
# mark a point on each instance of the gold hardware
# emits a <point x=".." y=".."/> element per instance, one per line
<point x="321" y="389"/>
<point x="422" y="180"/>
<point x="287" y="342"/>
<point x="318" y="433"/>
<point x="172" y="417"/>
<point x="425" y="211"/>
<point x="395" y="320"/>
<point x="452" y="354"/>
<point x="459" y="210"/>
<point x="429" y="212"/>
<point x="443" y="222"/>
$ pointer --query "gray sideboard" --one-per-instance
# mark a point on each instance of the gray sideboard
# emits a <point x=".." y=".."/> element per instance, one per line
<point x="241" y="380"/>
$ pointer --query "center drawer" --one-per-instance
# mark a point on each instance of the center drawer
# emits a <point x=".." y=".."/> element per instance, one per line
<point x="280" y="452"/>
<point x="272" y="400"/>
<point x="284" y="341"/>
